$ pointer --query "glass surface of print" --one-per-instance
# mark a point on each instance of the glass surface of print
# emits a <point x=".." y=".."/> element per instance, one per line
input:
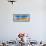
<point x="21" y="17"/>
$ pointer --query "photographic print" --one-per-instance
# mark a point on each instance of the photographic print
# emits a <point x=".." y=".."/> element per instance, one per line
<point x="21" y="17"/>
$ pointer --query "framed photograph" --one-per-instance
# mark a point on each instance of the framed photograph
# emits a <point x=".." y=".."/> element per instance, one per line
<point x="21" y="17"/>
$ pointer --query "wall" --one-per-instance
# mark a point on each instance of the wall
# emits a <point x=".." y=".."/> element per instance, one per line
<point x="36" y="28"/>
